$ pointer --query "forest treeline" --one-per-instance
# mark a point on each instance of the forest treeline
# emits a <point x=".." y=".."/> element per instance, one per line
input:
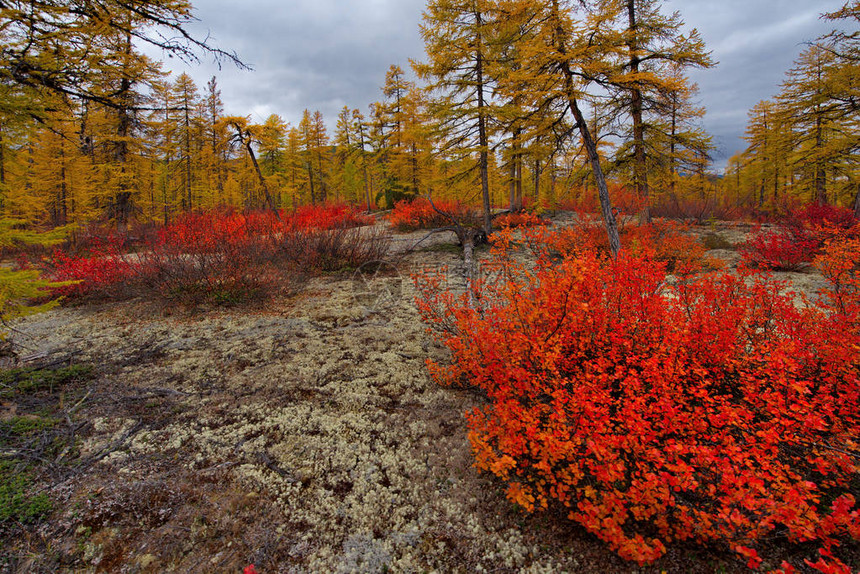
<point x="516" y="101"/>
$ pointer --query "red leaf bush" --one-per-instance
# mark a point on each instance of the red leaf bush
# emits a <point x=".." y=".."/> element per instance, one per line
<point x="799" y="238"/>
<point x="106" y="270"/>
<point x="709" y="410"/>
<point x="519" y="219"/>
<point x="418" y="213"/>
<point x="778" y="250"/>
<point x="225" y="257"/>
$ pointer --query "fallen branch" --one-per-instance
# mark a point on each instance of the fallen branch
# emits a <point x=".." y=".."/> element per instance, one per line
<point x="112" y="446"/>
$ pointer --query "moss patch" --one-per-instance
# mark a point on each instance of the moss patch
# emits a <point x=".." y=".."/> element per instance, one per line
<point x="17" y="504"/>
<point x="28" y="380"/>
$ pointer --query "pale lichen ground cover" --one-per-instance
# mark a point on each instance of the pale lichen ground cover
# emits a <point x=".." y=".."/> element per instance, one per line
<point x="303" y="437"/>
<point x="321" y="407"/>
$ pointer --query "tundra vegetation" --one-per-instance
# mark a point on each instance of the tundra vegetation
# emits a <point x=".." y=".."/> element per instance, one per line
<point x="255" y="342"/>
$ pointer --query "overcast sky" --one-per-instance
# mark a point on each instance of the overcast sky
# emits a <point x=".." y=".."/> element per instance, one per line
<point x="324" y="54"/>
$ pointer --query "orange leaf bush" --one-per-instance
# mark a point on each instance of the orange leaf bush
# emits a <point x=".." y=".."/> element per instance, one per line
<point x="710" y="410"/>
<point x="665" y="241"/>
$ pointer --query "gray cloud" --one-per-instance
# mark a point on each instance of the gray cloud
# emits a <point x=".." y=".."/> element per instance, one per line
<point x="755" y="43"/>
<point x="324" y="54"/>
<point x="320" y="54"/>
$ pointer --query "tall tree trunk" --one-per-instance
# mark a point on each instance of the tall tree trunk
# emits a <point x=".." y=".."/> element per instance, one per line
<point x="640" y="169"/>
<point x="311" y="182"/>
<point x="590" y="144"/>
<point x="672" y="147"/>
<point x="364" y="164"/>
<point x="64" y="210"/>
<point x="482" y="127"/>
<point x="516" y="172"/>
<point x="269" y="200"/>
<point x="122" y="201"/>
<point x="820" y="175"/>
<point x="187" y="142"/>
<point x="415" y="169"/>
<point x="512" y="182"/>
<point x="322" y="185"/>
<point x="245" y="138"/>
<point x="519" y="162"/>
<point x="857" y="202"/>
<point x="2" y="158"/>
<point x="602" y="188"/>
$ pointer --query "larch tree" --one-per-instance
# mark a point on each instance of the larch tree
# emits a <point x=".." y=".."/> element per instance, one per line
<point x="823" y="131"/>
<point x="344" y="141"/>
<point x="641" y="54"/>
<point x="272" y="146"/>
<point x="556" y="64"/>
<point x="458" y="35"/>
<point x="247" y="135"/>
<point x="768" y="144"/>
<point x="59" y="47"/>
<point x="676" y="141"/>
<point x="360" y="131"/>
<point x="320" y="144"/>
<point x="186" y="100"/>
<point x="215" y="150"/>
<point x="314" y="140"/>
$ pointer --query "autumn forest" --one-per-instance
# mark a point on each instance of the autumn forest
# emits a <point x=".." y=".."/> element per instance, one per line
<point x="94" y="130"/>
<point x="266" y="333"/>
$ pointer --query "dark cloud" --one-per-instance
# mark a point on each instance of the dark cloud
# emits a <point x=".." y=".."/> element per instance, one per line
<point x="320" y="54"/>
<point x="324" y="54"/>
<point x="755" y="43"/>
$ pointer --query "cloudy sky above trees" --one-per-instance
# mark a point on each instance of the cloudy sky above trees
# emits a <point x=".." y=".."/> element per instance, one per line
<point x="324" y="54"/>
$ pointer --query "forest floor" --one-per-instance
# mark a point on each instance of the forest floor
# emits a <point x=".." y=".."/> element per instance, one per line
<point x="303" y="436"/>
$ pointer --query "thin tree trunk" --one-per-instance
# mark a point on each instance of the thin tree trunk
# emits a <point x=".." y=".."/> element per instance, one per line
<point x="64" y="212"/>
<point x="672" y="147"/>
<point x="857" y="202"/>
<point x="364" y="164"/>
<point x="2" y="157"/>
<point x="590" y="144"/>
<point x="640" y="172"/>
<point x="189" y="199"/>
<point x="311" y="181"/>
<point x="512" y="182"/>
<point x="602" y="188"/>
<point x="122" y="201"/>
<point x="820" y="176"/>
<point x="482" y="129"/>
<point x="262" y="179"/>
<point x="415" y="169"/>
<point x="519" y="162"/>
<point x="245" y="138"/>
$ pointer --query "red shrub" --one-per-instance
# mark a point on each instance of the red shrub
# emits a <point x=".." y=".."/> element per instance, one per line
<point x="327" y="216"/>
<point x="409" y="215"/>
<point x="519" y="219"/>
<point x="778" y="250"/>
<point x="226" y="257"/>
<point x="839" y="262"/>
<point x="711" y="410"/>
<point x="801" y="236"/>
<point x="815" y="216"/>
<point x="103" y="273"/>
